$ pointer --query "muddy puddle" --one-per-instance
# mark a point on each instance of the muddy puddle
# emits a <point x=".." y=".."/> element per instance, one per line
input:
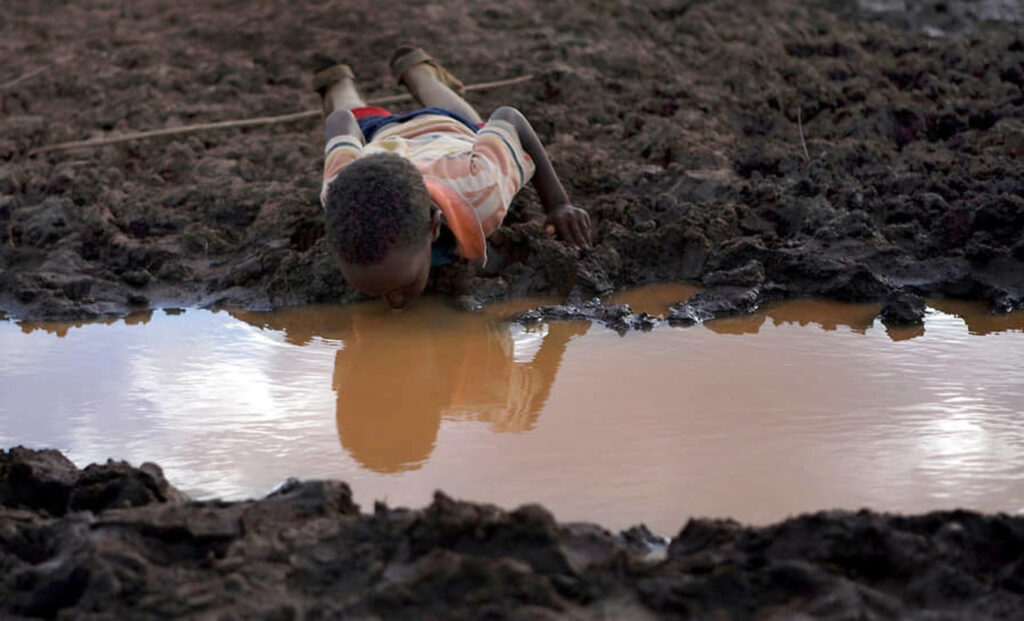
<point x="803" y="406"/>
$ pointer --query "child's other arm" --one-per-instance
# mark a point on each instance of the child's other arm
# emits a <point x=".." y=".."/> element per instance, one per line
<point x="343" y="122"/>
<point x="572" y="223"/>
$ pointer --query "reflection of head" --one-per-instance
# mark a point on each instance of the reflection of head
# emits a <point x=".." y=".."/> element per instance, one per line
<point x="398" y="375"/>
<point x="391" y="383"/>
<point x="388" y="424"/>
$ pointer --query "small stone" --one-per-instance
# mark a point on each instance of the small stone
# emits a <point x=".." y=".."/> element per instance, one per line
<point x="903" y="309"/>
<point x="137" y="278"/>
<point x="749" y="274"/>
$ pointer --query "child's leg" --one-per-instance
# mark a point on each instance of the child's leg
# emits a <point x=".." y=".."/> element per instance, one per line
<point x="424" y="85"/>
<point x="339" y="94"/>
<point x="342" y="95"/>
<point x="336" y="85"/>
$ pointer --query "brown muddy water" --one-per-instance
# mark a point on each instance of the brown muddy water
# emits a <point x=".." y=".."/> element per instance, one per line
<point x="803" y="406"/>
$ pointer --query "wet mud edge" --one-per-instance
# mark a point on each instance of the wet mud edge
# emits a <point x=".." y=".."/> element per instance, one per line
<point x="115" y="541"/>
<point x="675" y="124"/>
<point x="769" y="150"/>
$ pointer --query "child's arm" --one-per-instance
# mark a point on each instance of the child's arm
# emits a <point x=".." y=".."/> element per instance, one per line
<point x="572" y="223"/>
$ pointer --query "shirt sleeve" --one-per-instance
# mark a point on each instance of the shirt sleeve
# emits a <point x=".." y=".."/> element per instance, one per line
<point x="340" y="151"/>
<point x="498" y="142"/>
<point x="498" y="151"/>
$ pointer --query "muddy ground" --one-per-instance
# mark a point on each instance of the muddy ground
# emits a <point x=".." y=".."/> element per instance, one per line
<point x="854" y="150"/>
<point x="112" y="541"/>
<point x="677" y="124"/>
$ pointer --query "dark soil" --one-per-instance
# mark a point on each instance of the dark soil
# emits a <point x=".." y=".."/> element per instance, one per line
<point x="676" y="124"/>
<point x="112" y="541"/>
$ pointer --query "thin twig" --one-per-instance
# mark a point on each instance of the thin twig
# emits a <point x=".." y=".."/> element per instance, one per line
<point x="20" y="79"/>
<point x="263" y="120"/>
<point x="800" y="126"/>
<point x="31" y="74"/>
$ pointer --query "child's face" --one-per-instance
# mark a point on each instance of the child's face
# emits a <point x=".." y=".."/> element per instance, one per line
<point x="399" y="277"/>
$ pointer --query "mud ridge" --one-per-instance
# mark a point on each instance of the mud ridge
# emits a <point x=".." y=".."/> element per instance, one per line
<point x="114" y="541"/>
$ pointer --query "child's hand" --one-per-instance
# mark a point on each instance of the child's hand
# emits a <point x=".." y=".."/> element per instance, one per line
<point x="572" y="224"/>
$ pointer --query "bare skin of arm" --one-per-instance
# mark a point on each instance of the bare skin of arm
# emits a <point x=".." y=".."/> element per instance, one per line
<point x="572" y="223"/>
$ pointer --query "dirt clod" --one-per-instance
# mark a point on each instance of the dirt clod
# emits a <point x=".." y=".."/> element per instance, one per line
<point x="129" y="545"/>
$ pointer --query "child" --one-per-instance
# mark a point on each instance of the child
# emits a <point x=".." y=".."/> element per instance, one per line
<point x="396" y="185"/>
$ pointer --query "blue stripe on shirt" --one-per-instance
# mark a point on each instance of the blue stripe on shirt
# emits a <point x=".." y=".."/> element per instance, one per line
<point x="340" y="143"/>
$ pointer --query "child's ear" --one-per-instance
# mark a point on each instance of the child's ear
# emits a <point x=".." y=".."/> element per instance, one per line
<point x="435" y="224"/>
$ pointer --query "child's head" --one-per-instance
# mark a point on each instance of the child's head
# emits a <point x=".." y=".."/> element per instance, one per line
<point x="380" y="222"/>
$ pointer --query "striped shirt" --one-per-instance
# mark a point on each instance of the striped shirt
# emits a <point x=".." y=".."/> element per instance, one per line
<point x="472" y="177"/>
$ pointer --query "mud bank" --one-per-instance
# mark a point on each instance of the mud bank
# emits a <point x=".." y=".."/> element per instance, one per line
<point x="849" y="150"/>
<point x="115" y="541"/>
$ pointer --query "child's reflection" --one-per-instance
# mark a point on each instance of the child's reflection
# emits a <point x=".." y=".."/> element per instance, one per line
<point x="397" y="376"/>
<point x="395" y="379"/>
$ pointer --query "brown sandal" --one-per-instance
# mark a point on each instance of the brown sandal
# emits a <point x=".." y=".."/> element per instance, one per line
<point x="408" y="56"/>
<point x="326" y="77"/>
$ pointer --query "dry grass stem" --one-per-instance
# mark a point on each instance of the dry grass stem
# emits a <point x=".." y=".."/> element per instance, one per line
<point x="263" y="120"/>
<point x="31" y="74"/>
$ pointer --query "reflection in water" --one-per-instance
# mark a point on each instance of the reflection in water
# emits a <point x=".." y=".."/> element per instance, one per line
<point x="904" y="333"/>
<point x="60" y="329"/>
<point x="397" y="374"/>
<point x="655" y="299"/>
<point x="814" y="406"/>
<point x="978" y="318"/>
<point x="827" y="315"/>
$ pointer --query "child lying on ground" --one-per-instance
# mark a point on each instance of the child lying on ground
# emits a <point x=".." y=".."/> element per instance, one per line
<point x="404" y="192"/>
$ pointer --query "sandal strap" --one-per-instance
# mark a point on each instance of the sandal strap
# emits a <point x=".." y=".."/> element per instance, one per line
<point x="331" y="75"/>
<point x="408" y="56"/>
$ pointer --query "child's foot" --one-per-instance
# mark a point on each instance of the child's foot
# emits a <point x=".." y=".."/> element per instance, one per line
<point x="407" y="56"/>
<point x="335" y="83"/>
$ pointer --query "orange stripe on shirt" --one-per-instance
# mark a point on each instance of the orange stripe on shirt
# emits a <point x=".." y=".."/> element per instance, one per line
<point x="460" y="218"/>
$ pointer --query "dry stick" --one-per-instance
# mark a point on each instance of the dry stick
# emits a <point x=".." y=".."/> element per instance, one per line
<point x="800" y="126"/>
<point x="263" y="120"/>
<point x="31" y="74"/>
<point x="20" y="79"/>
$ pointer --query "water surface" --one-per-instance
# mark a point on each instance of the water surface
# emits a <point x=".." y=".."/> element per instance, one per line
<point x="803" y="406"/>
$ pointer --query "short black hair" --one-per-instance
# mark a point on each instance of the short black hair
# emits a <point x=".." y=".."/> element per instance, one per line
<point x="376" y="203"/>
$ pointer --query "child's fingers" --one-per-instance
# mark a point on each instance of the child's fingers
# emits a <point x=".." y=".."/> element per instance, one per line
<point x="569" y="232"/>
<point x="550" y="229"/>
<point x="578" y="235"/>
<point x="588" y="230"/>
<point x="566" y="233"/>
